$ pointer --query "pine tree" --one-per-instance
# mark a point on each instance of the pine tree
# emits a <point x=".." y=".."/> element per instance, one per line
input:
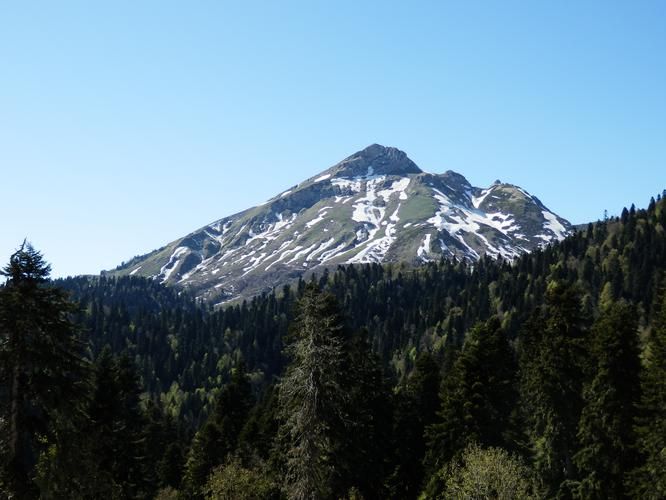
<point x="312" y="398"/>
<point x="605" y="429"/>
<point x="41" y="366"/>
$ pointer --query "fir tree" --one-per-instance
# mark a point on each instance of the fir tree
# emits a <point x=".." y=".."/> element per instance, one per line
<point x="476" y="398"/>
<point x="312" y="398"/>
<point x="649" y="479"/>
<point x="605" y="429"/>
<point x="220" y="435"/>
<point x="415" y="409"/>
<point x="552" y="359"/>
<point x="117" y="430"/>
<point x="367" y="427"/>
<point x="42" y="369"/>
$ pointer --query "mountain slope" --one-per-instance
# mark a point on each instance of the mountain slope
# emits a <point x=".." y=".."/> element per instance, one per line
<point x="374" y="206"/>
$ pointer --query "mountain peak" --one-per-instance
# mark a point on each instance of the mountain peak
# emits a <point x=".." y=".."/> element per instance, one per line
<point x="374" y="206"/>
<point x="375" y="160"/>
<point x="456" y="181"/>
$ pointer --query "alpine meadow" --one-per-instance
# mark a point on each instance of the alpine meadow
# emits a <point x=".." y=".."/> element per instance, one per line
<point x="388" y="324"/>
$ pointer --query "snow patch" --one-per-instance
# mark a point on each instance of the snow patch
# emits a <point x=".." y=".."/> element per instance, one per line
<point x="554" y="225"/>
<point x="459" y="220"/>
<point x="329" y="254"/>
<point x="302" y="252"/>
<point x="376" y="250"/>
<point x="322" y="213"/>
<point x="424" y="249"/>
<point x="477" y="200"/>
<point x="167" y="269"/>
<point x="397" y="187"/>
<point x="320" y="249"/>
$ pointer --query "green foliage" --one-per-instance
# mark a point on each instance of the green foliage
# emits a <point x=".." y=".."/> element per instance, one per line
<point x="42" y="370"/>
<point x="552" y="359"/>
<point x="404" y="309"/>
<point x="312" y="400"/>
<point x="477" y="397"/>
<point x="365" y="443"/>
<point x="167" y="493"/>
<point x="233" y="481"/>
<point x="219" y="436"/>
<point x="170" y="466"/>
<point x="117" y="428"/>
<point x="605" y="430"/>
<point x="415" y="409"/>
<point x="648" y="480"/>
<point x="487" y="473"/>
<point x="172" y="373"/>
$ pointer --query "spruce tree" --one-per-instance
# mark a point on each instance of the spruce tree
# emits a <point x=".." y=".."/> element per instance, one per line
<point x="416" y="405"/>
<point x="476" y="398"/>
<point x="551" y="363"/>
<point x="364" y="449"/>
<point x="605" y="430"/>
<point x="649" y="479"/>
<point x="117" y="430"/>
<point x="42" y="369"/>
<point x="312" y="398"/>
<point x="219" y="436"/>
<point x="203" y="456"/>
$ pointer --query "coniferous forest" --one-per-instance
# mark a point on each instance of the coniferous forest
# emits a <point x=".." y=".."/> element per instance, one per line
<point x="540" y="378"/>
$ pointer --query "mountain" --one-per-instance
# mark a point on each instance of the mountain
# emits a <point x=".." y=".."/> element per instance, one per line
<point x="376" y="205"/>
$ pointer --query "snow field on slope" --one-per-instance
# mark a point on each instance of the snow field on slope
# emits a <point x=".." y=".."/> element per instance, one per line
<point x="554" y="225"/>
<point x="457" y="219"/>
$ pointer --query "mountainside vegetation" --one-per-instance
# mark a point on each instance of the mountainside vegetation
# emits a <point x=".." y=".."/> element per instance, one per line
<point x="544" y="377"/>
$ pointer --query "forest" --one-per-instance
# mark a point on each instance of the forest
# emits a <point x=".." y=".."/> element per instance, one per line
<point x="544" y="377"/>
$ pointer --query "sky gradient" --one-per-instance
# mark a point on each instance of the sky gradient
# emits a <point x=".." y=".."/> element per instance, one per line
<point x="125" y="125"/>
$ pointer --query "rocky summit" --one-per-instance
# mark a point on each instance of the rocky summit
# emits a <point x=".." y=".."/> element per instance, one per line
<point x="374" y="206"/>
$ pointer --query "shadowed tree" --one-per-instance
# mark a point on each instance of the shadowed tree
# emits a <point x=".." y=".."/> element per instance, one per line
<point x="649" y="479"/>
<point x="219" y="436"/>
<point x="552" y="359"/>
<point x="605" y="430"/>
<point x="41" y="366"/>
<point x="476" y="399"/>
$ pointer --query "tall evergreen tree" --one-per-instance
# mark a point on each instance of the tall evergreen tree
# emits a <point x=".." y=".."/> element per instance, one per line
<point x="476" y="398"/>
<point x="605" y="430"/>
<point x="552" y="359"/>
<point x="649" y="479"/>
<point x="42" y="369"/>
<point x="415" y="408"/>
<point x="364" y="450"/>
<point x="117" y="430"/>
<point x="219" y="436"/>
<point x="312" y="398"/>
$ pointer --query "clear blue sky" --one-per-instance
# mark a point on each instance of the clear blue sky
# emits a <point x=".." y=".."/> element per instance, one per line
<point x="124" y="125"/>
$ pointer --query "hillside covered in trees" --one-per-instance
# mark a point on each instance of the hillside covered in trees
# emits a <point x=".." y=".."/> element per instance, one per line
<point x="541" y="378"/>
